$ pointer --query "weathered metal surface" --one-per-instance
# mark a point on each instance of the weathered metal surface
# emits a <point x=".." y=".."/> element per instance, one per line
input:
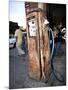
<point x="34" y="66"/>
<point x="33" y="49"/>
<point x="46" y="54"/>
<point x="44" y="47"/>
<point x="38" y="49"/>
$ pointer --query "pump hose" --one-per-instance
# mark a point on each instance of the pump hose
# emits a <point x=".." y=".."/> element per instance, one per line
<point x="55" y="72"/>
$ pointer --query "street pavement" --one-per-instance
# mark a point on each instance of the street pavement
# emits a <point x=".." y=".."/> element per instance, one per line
<point x="18" y="71"/>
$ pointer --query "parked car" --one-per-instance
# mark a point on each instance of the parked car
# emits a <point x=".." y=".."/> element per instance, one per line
<point x="12" y="41"/>
<point x="64" y="33"/>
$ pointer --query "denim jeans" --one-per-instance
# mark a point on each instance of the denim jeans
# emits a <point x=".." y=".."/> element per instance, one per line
<point x="58" y="48"/>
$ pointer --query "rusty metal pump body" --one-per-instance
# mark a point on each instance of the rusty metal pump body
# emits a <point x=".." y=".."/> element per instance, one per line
<point x="38" y="46"/>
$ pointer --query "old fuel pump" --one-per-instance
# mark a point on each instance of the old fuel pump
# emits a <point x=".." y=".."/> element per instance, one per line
<point x="38" y="46"/>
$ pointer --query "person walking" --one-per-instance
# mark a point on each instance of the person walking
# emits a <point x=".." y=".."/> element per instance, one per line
<point x="59" y="43"/>
<point x="19" y="35"/>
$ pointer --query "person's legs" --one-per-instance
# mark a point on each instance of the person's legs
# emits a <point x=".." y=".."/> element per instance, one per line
<point x="56" y="48"/>
<point x="20" y="51"/>
<point x="24" y="46"/>
<point x="59" y="48"/>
